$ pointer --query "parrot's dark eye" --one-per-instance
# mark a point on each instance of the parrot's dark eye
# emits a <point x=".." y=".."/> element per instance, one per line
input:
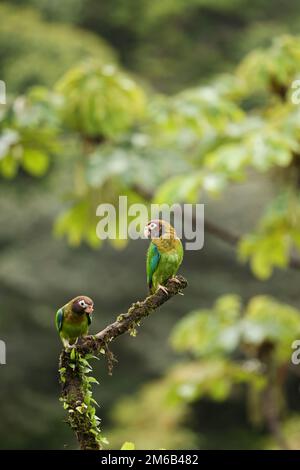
<point x="82" y="303"/>
<point x="152" y="226"/>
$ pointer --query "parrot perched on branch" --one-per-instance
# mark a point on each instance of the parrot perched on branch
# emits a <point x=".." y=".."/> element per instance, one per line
<point x="164" y="255"/>
<point x="73" y="319"/>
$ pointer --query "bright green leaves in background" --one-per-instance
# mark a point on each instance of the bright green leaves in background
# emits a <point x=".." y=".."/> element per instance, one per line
<point x="103" y="132"/>
<point x="232" y="350"/>
<point x="277" y="235"/>
<point x="100" y="100"/>
<point x="128" y="446"/>
<point x="229" y="328"/>
<point x="207" y="332"/>
<point x="183" y="148"/>
<point x="79" y="224"/>
<point x="28" y="135"/>
<point x="177" y="148"/>
<point x="271" y="71"/>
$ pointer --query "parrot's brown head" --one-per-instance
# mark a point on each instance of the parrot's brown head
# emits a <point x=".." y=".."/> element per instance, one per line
<point x="82" y="304"/>
<point x="158" y="228"/>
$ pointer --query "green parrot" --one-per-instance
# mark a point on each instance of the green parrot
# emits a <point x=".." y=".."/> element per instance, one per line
<point x="73" y="319"/>
<point x="164" y="255"/>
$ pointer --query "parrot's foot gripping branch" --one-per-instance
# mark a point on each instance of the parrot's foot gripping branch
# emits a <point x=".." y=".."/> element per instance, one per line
<point x="74" y="367"/>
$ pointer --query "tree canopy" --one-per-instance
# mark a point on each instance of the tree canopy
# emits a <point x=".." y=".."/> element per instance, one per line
<point x="84" y="123"/>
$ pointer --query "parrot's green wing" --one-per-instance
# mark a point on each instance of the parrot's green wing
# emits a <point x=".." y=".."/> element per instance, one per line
<point x="59" y="319"/>
<point x="89" y="318"/>
<point x="153" y="258"/>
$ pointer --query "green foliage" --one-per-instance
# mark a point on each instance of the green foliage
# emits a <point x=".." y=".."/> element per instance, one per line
<point x="79" y="224"/>
<point x="207" y="332"/>
<point x="28" y="135"/>
<point x="82" y="415"/>
<point x="110" y="136"/>
<point x="274" y="71"/>
<point x="152" y="420"/>
<point x="167" y="42"/>
<point x="39" y="53"/>
<point x="277" y="235"/>
<point x="128" y="446"/>
<point x="267" y="321"/>
<point x="181" y="148"/>
<point x="214" y="379"/>
<point x="230" y="347"/>
<point x="290" y="431"/>
<point x="100" y="100"/>
<point x="196" y="142"/>
<point x="227" y="328"/>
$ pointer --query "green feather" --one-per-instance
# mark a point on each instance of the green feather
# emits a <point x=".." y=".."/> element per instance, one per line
<point x="163" y="263"/>
<point x="59" y="319"/>
<point x="153" y="257"/>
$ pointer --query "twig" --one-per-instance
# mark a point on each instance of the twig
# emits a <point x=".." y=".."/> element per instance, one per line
<point x="232" y="238"/>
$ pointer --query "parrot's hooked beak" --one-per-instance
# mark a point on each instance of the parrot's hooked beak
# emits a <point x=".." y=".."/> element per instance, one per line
<point x="89" y="309"/>
<point x="147" y="232"/>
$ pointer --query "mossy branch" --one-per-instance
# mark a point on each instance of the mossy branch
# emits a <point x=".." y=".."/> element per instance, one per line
<point x="74" y="367"/>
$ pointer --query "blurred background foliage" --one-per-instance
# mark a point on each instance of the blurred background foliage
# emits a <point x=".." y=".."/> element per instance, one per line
<point x="165" y="102"/>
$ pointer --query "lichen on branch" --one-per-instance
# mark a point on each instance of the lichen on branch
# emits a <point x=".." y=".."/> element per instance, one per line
<point x="74" y="367"/>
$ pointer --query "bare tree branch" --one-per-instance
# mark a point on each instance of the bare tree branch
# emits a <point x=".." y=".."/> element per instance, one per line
<point x="73" y="392"/>
<point x="222" y="233"/>
<point x="233" y="239"/>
